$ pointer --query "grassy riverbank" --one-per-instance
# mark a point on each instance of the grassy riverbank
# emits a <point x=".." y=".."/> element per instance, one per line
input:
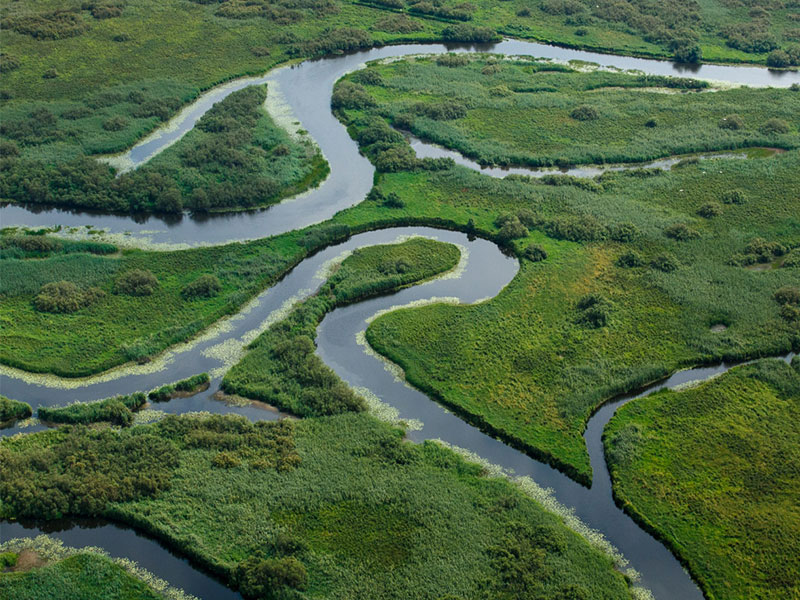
<point x="713" y="470"/>
<point x="564" y="117"/>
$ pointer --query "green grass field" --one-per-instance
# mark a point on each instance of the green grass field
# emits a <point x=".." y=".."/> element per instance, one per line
<point x="713" y="470"/>
<point x="563" y="117"/>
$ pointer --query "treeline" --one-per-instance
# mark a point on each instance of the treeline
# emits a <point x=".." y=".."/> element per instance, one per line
<point x="117" y="411"/>
<point x="38" y="245"/>
<point x="236" y="158"/>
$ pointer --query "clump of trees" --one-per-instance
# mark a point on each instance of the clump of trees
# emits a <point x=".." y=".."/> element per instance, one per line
<point x="789" y="299"/>
<point x="775" y="127"/>
<point x="463" y="32"/>
<point x="594" y="310"/>
<point x="65" y="297"/>
<point x="136" y="282"/>
<point x="758" y="250"/>
<point x="709" y="210"/>
<point x="733" y="122"/>
<point x="191" y="385"/>
<point x="534" y="253"/>
<point x="630" y="260"/>
<point x="681" y="232"/>
<point x="665" y="263"/>
<point x="51" y="25"/>
<point x="270" y="577"/>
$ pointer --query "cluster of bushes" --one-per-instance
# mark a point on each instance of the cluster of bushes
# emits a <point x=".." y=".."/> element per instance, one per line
<point x="12" y="410"/>
<point x="63" y="297"/>
<point x="463" y="32"/>
<point x="39" y="127"/>
<point x="584" y="113"/>
<point x="753" y="37"/>
<point x="459" y="12"/>
<point x="575" y="228"/>
<point x="8" y="62"/>
<point x="397" y="24"/>
<point x="79" y="471"/>
<point x="792" y="259"/>
<point x="789" y="299"/>
<point x="136" y="282"/>
<point x="117" y="411"/>
<point x="333" y="41"/>
<point x="236" y="441"/>
<point x="192" y="385"/>
<point x="53" y="25"/>
<point x="447" y="110"/>
<point x="780" y="59"/>
<point x="594" y="310"/>
<point x="758" y="250"/>
<point x="681" y="232"/>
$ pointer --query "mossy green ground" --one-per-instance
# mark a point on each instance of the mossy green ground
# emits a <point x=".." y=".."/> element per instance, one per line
<point x="713" y="470"/>
<point x="635" y="118"/>
<point x="78" y="577"/>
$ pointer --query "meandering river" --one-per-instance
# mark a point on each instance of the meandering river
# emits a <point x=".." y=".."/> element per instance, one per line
<point x="306" y="89"/>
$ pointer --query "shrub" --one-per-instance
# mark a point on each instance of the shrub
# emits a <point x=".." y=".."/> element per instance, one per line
<point x="778" y="59"/>
<point x="763" y="250"/>
<point x="733" y="122"/>
<point x="792" y="259"/>
<point x="115" y="124"/>
<point x="137" y="282"/>
<point x="205" y="286"/>
<point x="270" y="577"/>
<point x="688" y="53"/>
<point x="226" y="460"/>
<point x="594" y="310"/>
<point x="463" y="32"/>
<point x="584" y="113"/>
<point x="55" y="25"/>
<point x="65" y="297"/>
<point x="394" y="201"/>
<point x="623" y="232"/>
<point x="734" y="197"/>
<point x="651" y="123"/>
<point x="190" y="385"/>
<point x="259" y="51"/>
<point x="117" y="410"/>
<point x="787" y="295"/>
<point x="665" y="262"/>
<point x="442" y="111"/>
<point x="368" y="77"/>
<point x="535" y="253"/>
<point x="347" y="94"/>
<point x="452" y="60"/>
<point x="50" y="74"/>
<point x="630" y="260"/>
<point x="710" y="210"/>
<point x="8" y="62"/>
<point x="512" y="229"/>
<point x="775" y="126"/>
<point x="681" y="232"/>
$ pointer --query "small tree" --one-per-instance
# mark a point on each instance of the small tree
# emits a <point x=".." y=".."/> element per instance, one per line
<point x="710" y="210"/>
<point x="733" y="122"/>
<point x="205" y="286"/>
<point x="535" y="253"/>
<point x="584" y="113"/>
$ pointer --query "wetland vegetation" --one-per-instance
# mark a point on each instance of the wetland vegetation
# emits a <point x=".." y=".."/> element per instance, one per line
<point x="740" y="478"/>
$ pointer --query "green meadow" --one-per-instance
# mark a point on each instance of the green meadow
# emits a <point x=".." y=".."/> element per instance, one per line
<point x="713" y="471"/>
<point x="565" y="117"/>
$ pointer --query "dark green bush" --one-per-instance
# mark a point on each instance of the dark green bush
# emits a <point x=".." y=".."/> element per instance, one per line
<point x="792" y="259"/>
<point x="535" y="253"/>
<point x="205" y="286"/>
<point x="623" y="232"/>
<point x="787" y="295"/>
<point x="118" y="411"/>
<point x="347" y="94"/>
<point x="665" y="262"/>
<point x="710" y="210"/>
<point x="137" y="282"/>
<point x="681" y="232"/>
<point x="115" y="123"/>
<point x="393" y="201"/>
<point x="594" y="310"/>
<point x="8" y="62"/>
<point x="630" y="259"/>
<point x="733" y="122"/>
<point x="775" y="127"/>
<point x="269" y="578"/>
<point x="463" y="32"/>
<point x="512" y="229"/>
<point x="734" y="197"/>
<point x="191" y="385"/>
<point x="584" y="113"/>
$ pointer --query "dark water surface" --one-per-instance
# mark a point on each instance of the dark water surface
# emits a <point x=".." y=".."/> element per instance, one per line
<point x="306" y="88"/>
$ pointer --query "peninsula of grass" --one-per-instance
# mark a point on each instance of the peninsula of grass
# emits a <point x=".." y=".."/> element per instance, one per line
<point x="335" y="507"/>
<point x="563" y="117"/>
<point x="713" y="471"/>
<point x="281" y="367"/>
<point x="43" y="568"/>
<point x="13" y="410"/>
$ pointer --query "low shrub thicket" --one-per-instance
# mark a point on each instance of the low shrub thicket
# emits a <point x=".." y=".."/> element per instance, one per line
<point x="12" y="410"/>
<point x="117" y="411"/>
